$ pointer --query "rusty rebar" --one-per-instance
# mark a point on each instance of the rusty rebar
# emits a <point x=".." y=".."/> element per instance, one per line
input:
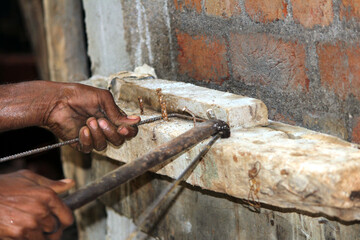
<point x="38" y="150"/>
<point x="142" y="164"/>
<point x="185" y="109"/>
<point x="74" y="140"/>
<point x="164" y="195"/>
<point x="141" y="105"/>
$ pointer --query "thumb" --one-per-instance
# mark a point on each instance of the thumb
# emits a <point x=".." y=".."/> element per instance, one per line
<point x="125" y="120"/>
<point x="61" y="185"/>
<point x="117" y="116"/>
<point x="57" y="186"/>
<point x="130" y="120"/>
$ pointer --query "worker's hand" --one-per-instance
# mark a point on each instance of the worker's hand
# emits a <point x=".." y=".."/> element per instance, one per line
<point x="91" y="114"/>
<point x="29" y="206"/>
<point x="70" y="110"/>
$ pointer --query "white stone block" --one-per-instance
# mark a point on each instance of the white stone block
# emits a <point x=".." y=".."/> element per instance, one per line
<point x="298" y="168"/>
<point x="236" y="110"/>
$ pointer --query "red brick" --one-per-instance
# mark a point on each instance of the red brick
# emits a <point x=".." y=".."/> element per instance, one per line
<point x="189" y="4"/>
<point x="313" y="12"/>
<point x="266" y="10"/>
<point x="350" y="9"/>
<point x="222" y="8"/>
<point x="259" y="59"/>
<point x="340" y="68"/>
<point x="202" y="57"/>
<point x="356" y="131"/>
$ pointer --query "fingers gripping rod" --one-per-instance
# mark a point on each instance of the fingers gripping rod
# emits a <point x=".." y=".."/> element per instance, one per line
<point x="74" y="140"/>
<point x="142" y="164"/>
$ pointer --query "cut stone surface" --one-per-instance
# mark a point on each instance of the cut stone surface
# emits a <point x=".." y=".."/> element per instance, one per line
<point x="296" y="167"/>
<point x="192" y="213"/>
<point x="236" y="110"/>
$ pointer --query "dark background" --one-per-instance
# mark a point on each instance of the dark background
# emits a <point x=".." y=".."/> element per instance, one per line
<point x="17" y="64"/>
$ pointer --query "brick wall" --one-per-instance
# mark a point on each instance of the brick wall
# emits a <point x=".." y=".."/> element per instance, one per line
<point x="301" y="57"/>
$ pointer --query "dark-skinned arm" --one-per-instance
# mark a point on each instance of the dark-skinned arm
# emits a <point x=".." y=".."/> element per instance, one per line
<point x="69" y="110"/>
<point x="29" y="202"/>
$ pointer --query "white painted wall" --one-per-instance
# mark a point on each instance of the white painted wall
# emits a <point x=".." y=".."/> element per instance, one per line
<point x="120" y="227"/>
<point x="105" y="36"/>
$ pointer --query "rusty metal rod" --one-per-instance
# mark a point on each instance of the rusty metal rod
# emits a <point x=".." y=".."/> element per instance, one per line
<point x="142" y="164"/>
<point x="74" y="140"/>
<point x="38" y="150"/>
<point x="164" y="195"/>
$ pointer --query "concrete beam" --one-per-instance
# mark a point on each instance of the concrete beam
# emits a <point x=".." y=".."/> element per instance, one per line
<point x="236" y="110"/>
<point x="287" y="166"/>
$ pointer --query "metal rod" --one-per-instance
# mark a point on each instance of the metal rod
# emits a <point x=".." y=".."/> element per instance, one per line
<point x="56" y="145"/>
<point x="155" y="205"/>
<point x="38" y="150"/>
<point x="142" y="164"/>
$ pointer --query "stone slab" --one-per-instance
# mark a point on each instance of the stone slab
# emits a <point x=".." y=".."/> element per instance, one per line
<point x="236" y="110"/>
<point x="193" y="213"/>
<point x="297" y="168"/>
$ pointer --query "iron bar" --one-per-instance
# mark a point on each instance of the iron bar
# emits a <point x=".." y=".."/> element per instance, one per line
<point x="157" y="203"/>
<point x="38" y="150"/>
<point x="142" y="164"/>
<point x="71" y="141"/>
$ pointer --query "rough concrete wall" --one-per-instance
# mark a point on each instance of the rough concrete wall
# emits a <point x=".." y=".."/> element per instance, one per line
<point x="193" y="213"/>
<point x="299" y="57"/>
<point x="149" y="34"/>
<point x="105" y="37"/>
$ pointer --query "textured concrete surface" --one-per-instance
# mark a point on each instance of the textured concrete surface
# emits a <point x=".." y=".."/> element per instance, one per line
<point x="148" y="34"/>
<point x="236" y="110"/>
<point x="120" y="227"/>
<point x="105" y="35"/>
<point x="297" y="168"/>
<point x="194" y="213"/>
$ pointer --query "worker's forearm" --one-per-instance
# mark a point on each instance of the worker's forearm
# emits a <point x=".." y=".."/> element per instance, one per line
<point x="69" y="110"/>
<point x="25" y="104"/>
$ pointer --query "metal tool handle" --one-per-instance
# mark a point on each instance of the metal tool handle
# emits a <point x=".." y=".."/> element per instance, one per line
<point x="143" y="219"/>
<point x="142" y="164"/>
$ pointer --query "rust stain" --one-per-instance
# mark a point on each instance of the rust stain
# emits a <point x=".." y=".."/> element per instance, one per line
<point x="235" y="158"/>
<point x="284" y="172"/>
<point x="253" y="197"/>
<point x="141" y="105"/>
<point x="254" y="171"/>
<point x="297" y="154"/>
